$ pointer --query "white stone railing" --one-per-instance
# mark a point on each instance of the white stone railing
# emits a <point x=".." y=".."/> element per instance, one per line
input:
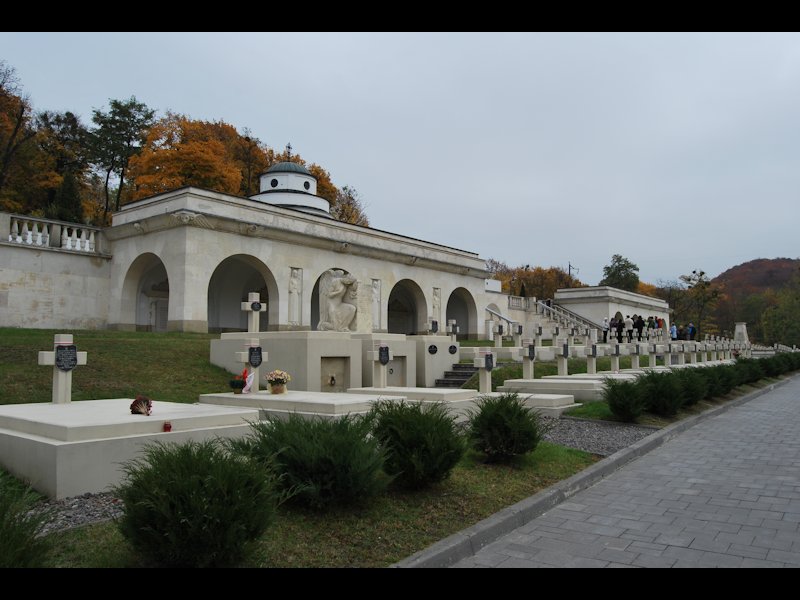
<point x="31" y="231"/>
<point x="518" y="303"/>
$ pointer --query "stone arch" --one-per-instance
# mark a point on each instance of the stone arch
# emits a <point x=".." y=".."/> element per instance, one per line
<point x="461" y="307"/>
<point x="407" y="309"/>
<point x="145" y="294"/>
<point x="230" y="283"/>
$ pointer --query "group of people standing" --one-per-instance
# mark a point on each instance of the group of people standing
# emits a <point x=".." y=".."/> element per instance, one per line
<point x="620" y="327"/>
<point x="683" y="333"/>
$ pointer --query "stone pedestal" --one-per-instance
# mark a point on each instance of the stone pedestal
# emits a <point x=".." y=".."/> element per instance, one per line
<point x="740" y="333"/>
<point x="435" y="355"/>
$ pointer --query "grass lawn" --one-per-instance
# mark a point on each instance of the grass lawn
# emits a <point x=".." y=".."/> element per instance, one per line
<point x="171" y="367"/>
<point x="393" y="527"/>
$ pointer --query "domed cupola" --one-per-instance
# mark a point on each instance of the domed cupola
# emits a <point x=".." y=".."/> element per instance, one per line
<point x="291" y="185"/>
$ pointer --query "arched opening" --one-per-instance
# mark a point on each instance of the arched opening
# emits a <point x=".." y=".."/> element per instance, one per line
<point x="407" y="310"/>
<point x="461" y="307"/>
<point x="232" y="281"/>
<point x="145" y="294"/>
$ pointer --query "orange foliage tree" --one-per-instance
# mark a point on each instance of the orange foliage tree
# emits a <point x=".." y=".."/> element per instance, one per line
<point x="537" y="281"/>
<point x="180" y="151"/>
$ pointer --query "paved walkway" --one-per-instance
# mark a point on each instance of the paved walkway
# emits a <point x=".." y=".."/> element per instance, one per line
<point x="725" y="493"/>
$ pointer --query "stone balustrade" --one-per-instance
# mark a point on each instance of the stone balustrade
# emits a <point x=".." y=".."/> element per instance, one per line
<point x="46" y="233"/>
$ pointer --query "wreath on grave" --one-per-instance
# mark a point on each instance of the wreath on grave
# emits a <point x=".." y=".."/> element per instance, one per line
<point x="142" y="406"/>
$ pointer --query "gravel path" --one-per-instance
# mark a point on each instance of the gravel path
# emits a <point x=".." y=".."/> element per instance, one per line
<point x="597" y="437"/>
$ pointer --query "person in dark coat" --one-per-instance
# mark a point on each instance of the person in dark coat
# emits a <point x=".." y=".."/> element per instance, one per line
<point x="639" y="326"/>
<point x="620" y="329"/>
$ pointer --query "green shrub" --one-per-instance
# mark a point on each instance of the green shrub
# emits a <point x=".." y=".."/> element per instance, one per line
<point x="20" y="527"/>
<point x="729" y="378"/>
<point x="502" y="427"/>
<point x="624" y="399"/>
<point x="194" y="504"/>
<point x="693" y="384"/>
<point x="751" y="369"/>
<point x="322" y="462"/>
<point x="422" y="441"/>
<point x="662" y="392"/>
<point x="772" y="368"/>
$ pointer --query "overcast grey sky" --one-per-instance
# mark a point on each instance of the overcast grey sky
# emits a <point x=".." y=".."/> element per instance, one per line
<point x="678" y="151"/>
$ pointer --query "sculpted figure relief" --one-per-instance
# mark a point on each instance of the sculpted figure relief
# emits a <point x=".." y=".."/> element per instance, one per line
<point x="338" y="292"/>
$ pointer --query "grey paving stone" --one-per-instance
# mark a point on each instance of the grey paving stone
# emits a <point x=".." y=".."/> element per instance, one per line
<point x="723" y="493"/>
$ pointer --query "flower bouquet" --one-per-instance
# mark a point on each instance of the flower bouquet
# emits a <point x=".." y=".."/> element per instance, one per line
<point x="277" y="380"/>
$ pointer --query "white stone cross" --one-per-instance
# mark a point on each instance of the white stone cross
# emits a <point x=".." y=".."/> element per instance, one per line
<point x="64" y="358"/>
<point x="379" y="378"/>
<point x="528" y="355"/>
<point x="485" y="363"/>
<point x="252" y="347"/>
<point x="254" y="308"/>
<point x="452" y="329"/>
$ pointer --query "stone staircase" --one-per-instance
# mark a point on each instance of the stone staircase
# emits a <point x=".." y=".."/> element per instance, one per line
<point x="457" y="377"/>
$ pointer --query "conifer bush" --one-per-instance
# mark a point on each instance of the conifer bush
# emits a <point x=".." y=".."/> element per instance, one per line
<point x="502" y="427"/>
<point x="322" y="462"/>
<point x="624" y="399"/>
<point x="21" y="543"/>
<point x="422" y="441"/>
<point x="195" y="504"/>
<point x="662" y="392"/>
<point x="693" y="384"/>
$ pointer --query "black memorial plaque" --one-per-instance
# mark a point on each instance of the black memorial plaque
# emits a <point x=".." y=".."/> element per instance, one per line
<point x="434" y="326"/>
<point x="432" y="349"/>
<point x="383" y="355"/>
<point x="254" y="356"/>
<point x="500" y="329"/>
<point x="531" y="351"/>
<point x="488" y="361"/>
<point x="67" y="357"/>
<point x="255" y="306"/>
<point x="452" y="349"/>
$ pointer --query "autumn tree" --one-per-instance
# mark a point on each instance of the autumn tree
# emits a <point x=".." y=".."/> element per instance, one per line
<point x="699" y="300"/>
<point x="621" y="273"/>
<point x="179" y="152"/>
<point x="349" y="208"/>
<point x="63" y="141"/>
<point x="16" y="130"/>
<point x="526" y="281"/>
<point x="117" y="138"/>
<point x="780" y="323"/>
<point x="67" y="203"/>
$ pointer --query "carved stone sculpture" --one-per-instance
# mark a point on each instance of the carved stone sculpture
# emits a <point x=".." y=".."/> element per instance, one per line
<point x="338" y="293"/>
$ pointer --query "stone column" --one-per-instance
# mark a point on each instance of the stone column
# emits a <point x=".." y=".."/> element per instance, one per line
<point x="528" y="355"/>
